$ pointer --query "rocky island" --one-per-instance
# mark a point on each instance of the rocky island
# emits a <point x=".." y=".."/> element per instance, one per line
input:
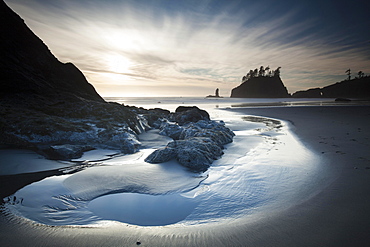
<point x="49" y="107"/>
<point x="262" y="83"/>
<point x="216" y="95"/>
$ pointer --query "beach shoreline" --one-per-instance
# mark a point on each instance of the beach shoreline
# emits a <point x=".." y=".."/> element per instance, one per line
<point x="338" y="215"/>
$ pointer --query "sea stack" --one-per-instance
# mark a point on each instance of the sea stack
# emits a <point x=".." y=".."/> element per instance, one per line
<point x="262" y="83"/>
<point x="217" y="94"/>
<point x="261" y="87"/>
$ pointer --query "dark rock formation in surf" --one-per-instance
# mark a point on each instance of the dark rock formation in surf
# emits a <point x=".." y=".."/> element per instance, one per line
<point x="188" y="114"/>
<point x="355" y="88"/>
<point x="195" y="146"/>
<point x="196" y="153"/>
<point x="261" y="87"/>
<point x="63" y="152"/>
<point x="216" y="95"/>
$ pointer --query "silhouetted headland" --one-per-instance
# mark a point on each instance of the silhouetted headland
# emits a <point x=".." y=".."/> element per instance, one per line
<point x="355" y="88"/>
<point x="29" y="70"/>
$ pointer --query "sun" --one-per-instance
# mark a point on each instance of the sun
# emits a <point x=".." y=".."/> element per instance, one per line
<point x="118" y="64"/>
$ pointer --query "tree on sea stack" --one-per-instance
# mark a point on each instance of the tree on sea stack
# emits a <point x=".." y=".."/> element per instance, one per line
<point x="360" y="74"/>
<point x="348" y="72"/>
<point x="277" y="72"/>
<point x="268" y="71"/>
<point x="261" y="72"/>
<point x="261" y="83"/>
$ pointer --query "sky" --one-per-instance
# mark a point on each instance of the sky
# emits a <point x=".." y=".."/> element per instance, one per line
<point x="129" y="48"/>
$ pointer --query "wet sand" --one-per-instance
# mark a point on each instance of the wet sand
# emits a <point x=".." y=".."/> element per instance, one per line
<point x="340" y="214"/>
<point x="337" y="215"/>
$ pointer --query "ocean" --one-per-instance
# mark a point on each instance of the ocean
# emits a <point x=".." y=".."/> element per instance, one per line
<point x="171" y="103"/>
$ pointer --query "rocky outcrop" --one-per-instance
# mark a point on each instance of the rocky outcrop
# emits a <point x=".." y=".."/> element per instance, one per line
<point x="152" y="116"/>
<point x="356" y="88"/>
<point x="261" y="87"/>
<point x="98" y="125"/>
<point x="195" y="145"/>
<point x="217" y="131"/>
<point x="189" y="114"/>
<point x="216" y="95"/>
<point x="196" y="153"/>
<point x="64" y="152"/>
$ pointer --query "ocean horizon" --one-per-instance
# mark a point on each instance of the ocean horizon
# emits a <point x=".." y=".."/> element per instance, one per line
<point x="171" y="103"/>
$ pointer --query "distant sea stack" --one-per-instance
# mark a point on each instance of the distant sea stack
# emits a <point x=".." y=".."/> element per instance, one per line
<point x="217" y="94"/>
<point x="29" y="69"/>
<point x="355" y="88"/>
<point x="261" y="83"/>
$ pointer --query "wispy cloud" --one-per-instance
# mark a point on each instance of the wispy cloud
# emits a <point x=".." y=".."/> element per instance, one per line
<point x="136" y="47"/>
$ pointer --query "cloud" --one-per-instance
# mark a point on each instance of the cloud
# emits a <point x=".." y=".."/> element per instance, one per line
<point x="137" y="44"/>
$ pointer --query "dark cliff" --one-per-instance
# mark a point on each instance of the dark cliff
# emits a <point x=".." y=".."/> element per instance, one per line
<point x="356" y="88"/>
<point x="44" y="102"/>
<point x="29" y="69"/>
<point x="261" y="87"/>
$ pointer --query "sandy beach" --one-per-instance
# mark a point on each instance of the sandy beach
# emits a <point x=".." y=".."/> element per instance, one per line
<point x="337" y="214"/>
<point x="340" y="214"/>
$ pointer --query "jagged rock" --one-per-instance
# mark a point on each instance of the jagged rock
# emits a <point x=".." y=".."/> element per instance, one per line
<point x="188" y="114"/>
<point x="63" y="152"/>
<point x="155" y="115"/>
<point x="114" y="127"/>
<point x="124" y="140"/>
<point x="196" y="145"/>
<point x="162" y="155"/>
<point x="169" y="129"/>
<point x="195" y="153"/>
<point x="217" y="131"/>
<point x="183" y="115"/>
